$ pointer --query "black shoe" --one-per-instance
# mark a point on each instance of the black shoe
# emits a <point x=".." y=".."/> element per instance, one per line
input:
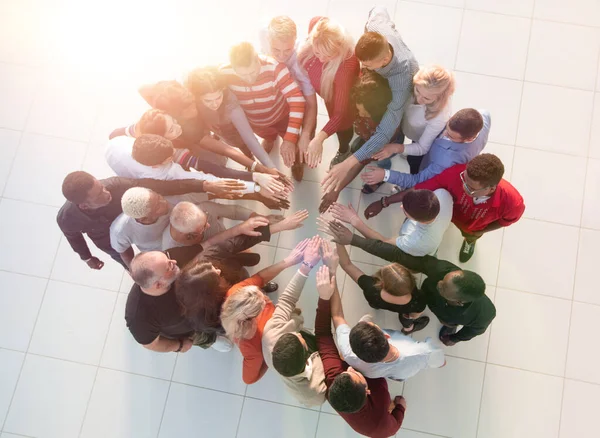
<point x="447" y="331"/>
<point x="418" y="324"/>
<point x="466" y="251"/>
<point x="270" y="287"/>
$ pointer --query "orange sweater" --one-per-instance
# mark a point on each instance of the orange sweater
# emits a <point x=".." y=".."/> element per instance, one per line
<point x="254" y="364"/>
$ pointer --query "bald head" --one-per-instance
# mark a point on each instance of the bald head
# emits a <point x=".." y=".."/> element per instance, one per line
<point x="187" y="217"/>
<point x="153" y="271"/>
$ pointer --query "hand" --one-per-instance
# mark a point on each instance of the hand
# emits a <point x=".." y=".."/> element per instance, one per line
<point x="303" y="142"/>
<point x="268" y="182"/>
<point x="95" y="263"/>
<point x="312" y="254"/>
<point x="373" y="209"/>
<point x="248" y="226"/>
<point x="330" y="256"/>
<point x="274" y="218"/>
<point x="187" y="344"/>
<point x="225" y="188"/>
<point x="325" y="285"/>
<point x="285" y="180"/>
<point x="388" y="150"/>
<point x="315" y="153"/>
<point x="334" y="178"/>
<point x="446" y="340"/>
<point x="345" y="214"/>
<point x="372" y="175"/>
<point x="335" y="229"/>
<point x="271" y="201"/>
<point x="297" y="253"/>
<point x="294" y="221"/>
<point x="399" y="400"/>
<point x="288" y="152"/>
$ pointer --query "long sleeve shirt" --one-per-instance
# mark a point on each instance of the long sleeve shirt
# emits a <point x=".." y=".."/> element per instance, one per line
<point x="444" y="153"/>
<point x="373" y="419"/>
<point x="475" y="317"/>
<point x="308" y="390"/>
<point x="505" y="206"/>
<point x="399" y="73"/>
<point x="273" y="96"/>
<point x="420" y="130"/>
<point x="74" y="222"/>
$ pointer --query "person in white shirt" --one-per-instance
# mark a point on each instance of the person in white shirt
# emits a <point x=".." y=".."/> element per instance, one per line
<point x="385" y="353"/>
<point x="428" y="215"/>
<point x="145" y="216"/>
<point x="279" y="40"/>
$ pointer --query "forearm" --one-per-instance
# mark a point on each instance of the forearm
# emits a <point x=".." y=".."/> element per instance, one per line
<point x="388" y="252"/>
<point x="172" y="187"/>
<point x="395" y="198"/>
<point x="309" y="123"/>
<point x="218" y="147"/>
<point x="367" y="231"/>
<point x="127" y="256"/>
<point x="273" y="271"/>
<point x="223" y="236"/>
<point x="343" y="255"/>
<point x="221" y="171"/>
<point x="398" y="414"/>
<point x="79" y="245"/>
<point x="337" y="312"/>
<point x="239" y="120"/>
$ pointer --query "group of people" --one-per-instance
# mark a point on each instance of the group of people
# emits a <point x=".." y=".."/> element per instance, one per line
<point x="192" y="287"/>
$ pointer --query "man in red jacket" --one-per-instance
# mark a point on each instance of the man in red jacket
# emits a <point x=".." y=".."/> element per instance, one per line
<point x="364" y="403"/>
<point x="483" y="201"/>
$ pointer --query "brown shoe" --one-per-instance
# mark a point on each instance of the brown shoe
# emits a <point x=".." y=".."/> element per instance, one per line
<point x="298" y="171"/>
<point x="268" y="145"/>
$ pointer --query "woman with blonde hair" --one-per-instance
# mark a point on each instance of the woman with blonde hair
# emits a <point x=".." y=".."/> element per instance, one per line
<point x="328" y="58"/>
<point x="247" y="310"/>
<point x="426" y="116"/>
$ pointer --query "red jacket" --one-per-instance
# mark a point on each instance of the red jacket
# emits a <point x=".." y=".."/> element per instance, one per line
<point x="505" y="205"/>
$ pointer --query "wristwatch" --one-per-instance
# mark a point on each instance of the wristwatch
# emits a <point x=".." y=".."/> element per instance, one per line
<point x="256" y="188"/>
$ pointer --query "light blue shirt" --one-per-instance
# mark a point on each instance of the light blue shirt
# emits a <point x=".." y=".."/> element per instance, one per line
<point x="444" y="153"/>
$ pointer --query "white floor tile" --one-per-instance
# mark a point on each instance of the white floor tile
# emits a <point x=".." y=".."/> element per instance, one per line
<point x="594" y="151"/>
<point x="505" y="153"/>
<point x="452" y="3"/>
<point x="20" y="299"/>
<point x="282" y="420"/>
<point x="579" y="47"/>
<point x="17" y="86"/>
<point x="51" y="398"/>
<point x="126" y="283"/>
<point x="586" y="273"/>
<point x="585" y="12"/>
<point x="583" y="350"/>
<point x="530" y="332"/>
<point x="73" y="322"/>
<point x="10" y="142"/>
<point x="501" y="97"/>
<point x="271" y="388"/>
<point x="484" y="46"/>
<point x="552" y="244"/>
<point x="94" y="162"/>
<point x="578" y="410"/>
<point x="124" y="406"/>
<point x="26" y="229"/>
<point x="546" y="196"/>
<point x="211" y="369"/>
<point x="353" y="15"/>
<point x="70" y="268"/>
<point x="10" y="367"/>
<point x="122" y="352"/>
<point x="519" y="404"/>
<point x="591" y="203"/>
<point x="190" y="410"/>
<point x="450" y="395"/>
<point x="538" y="117"/>
<point x="405" y="433"/>
<point x="267" y="257"/>
<point x="443" y="31"/>
<point x="522" y="8"/>
<point x="334" y="425"/>
<point x="36" y="175"/>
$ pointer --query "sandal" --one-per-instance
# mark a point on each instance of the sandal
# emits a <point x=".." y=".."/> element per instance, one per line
<point x="368" y="189"/>
<point x="418" y="324"/>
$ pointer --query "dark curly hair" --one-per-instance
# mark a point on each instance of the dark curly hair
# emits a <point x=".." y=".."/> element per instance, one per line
<point x="151" y="149"/>
<point x="373" y="92"/>
<point x="486" y="169"/>
<point x="345" y="395"/>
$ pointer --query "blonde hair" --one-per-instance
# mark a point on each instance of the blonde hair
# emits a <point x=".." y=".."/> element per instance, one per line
<point x="438" y="80"/>
<point x="242" y="55"/>
<point x="332" y="39"/>
<point x="395" y="279"/>
<point x="136" y="202"/>
<point x="186" y="217"/>
<point x="282" y="28"/>
<point x="239" y="312"/>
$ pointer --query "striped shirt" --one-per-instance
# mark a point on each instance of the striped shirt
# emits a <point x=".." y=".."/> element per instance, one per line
<point x="271" y="98"/>
<point x="399" y="73"/>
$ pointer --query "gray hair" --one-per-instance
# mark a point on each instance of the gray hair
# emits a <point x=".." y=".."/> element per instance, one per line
<point x="186" y="217"/>
<point x="239" y="312"/>
<point x="142" y="271"/>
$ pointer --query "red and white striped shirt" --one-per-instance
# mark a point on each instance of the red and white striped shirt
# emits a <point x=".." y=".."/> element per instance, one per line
<point x="271" y="98"/>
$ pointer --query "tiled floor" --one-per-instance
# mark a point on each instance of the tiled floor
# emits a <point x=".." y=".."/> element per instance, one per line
<point x="69" y="368"/>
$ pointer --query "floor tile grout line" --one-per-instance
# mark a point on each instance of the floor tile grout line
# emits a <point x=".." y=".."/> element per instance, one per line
<point x="164" y="410"/>
<point x="237" y="429"/>
<point x="460" y="26"/>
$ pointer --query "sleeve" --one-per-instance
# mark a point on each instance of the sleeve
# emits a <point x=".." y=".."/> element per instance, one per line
<point x="222" y="172"/>
<point x="289" y="88"/>
<point x="401" y="89"/>
<point x="342" y="337"/>
<point x="432" y="131"/>
<point x="117" y="133"/>
<point x="74" y="237"/>
<point x="442" y="180"/>
<point x="118" y="240"/>
<point x="169" y="188"/>
<point x="407" y="180"/>
<point x="254" y="366"/>
<point x="237" y="244"/>
<point x="239" y="120"/>
<point x="180" y="173"/>
<point x="398" y="417"/>
<point x="230" y="211"/>
<point x="288" y="300"/>
<point x="344" y="80"/>
<point x="332" y="363"/>
<point x="477" y="328"/>
<point x="255" y="280"/>
<point x="512" y="213"/>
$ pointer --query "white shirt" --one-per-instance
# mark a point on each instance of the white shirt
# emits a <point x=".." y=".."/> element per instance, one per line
<point x="118" y="156"/>
<point x="126" y="231"/>
<point x="414" y="356"/>
<point x="419" y="239"/>
<point x="420" y="130"/>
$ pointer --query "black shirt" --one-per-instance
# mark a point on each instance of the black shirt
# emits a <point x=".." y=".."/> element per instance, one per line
<point x="74" y="221"/>
<point x="373" y="296"/>
<point x="475" y="317"/>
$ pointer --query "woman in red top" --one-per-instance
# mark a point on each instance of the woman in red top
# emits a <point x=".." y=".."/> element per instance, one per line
<point x="328" y="58"/>
<point x="247" y="310"/>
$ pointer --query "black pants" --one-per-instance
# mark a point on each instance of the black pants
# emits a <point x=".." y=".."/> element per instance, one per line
<point x="414" y="161"/>
<point x="344" y="139"/>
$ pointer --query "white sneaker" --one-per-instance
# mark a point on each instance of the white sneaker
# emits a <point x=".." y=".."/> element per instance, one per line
<point x="366" y="318"/>
<point x="222" y="344"/>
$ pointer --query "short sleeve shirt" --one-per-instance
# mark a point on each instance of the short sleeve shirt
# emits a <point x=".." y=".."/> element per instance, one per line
<point x="373" y="296"/>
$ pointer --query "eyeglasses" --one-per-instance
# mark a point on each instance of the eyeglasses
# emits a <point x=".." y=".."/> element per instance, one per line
<point x="468" y="189"/>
